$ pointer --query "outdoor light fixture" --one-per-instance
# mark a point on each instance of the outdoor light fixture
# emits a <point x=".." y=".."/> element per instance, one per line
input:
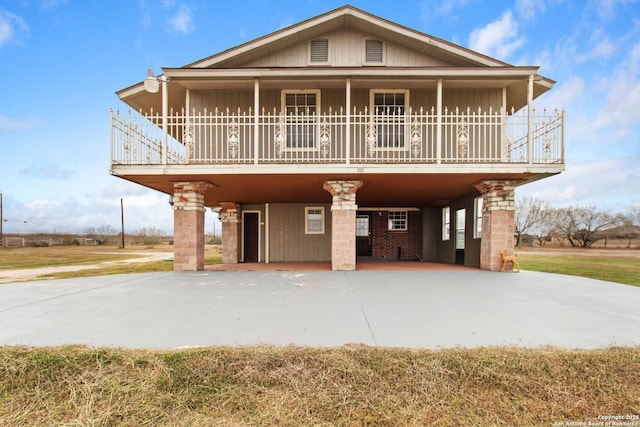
<point x="152" y="85"/>
<point x="171" y="200"/>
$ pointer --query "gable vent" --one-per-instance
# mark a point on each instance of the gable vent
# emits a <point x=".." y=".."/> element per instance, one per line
<point x="320" y="50"/>
<point x="373" y="51"/>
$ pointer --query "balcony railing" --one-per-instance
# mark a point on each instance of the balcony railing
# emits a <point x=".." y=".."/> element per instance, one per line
<point x="422" y="136"/>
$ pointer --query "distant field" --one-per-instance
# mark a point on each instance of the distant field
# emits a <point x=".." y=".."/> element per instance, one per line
<point x="613" y="265"/>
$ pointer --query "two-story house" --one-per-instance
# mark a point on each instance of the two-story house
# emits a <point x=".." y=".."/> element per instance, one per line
<point x="342" y="137"/>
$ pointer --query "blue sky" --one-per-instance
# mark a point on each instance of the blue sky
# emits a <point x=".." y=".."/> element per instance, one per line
<point x="62" y="60"/>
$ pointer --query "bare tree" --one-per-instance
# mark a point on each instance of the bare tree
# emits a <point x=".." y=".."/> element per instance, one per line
<point x="583" y="226"/>
<point x="150" y="236"/>
<point x="530" y="216"/>
<point x="633" y="214"/>
<point x="100" y="234"/>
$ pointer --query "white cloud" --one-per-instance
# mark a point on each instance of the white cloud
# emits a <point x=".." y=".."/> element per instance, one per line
<point x="12" y="27"/>
<point x="52" y="4"/>
<point x="498" y="38"/>
<point x="181" y="22"/>
<point x="562" y="95"/>
<point x="45" y="169"/>
<point x="621" y="110"/>
<point x="528" y="9"/>
<point x="608" y="184"/>
<point x="603" y="49"/>
<point x="14" y="125"/>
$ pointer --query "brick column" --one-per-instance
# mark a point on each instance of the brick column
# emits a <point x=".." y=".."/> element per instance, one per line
<point x="229" y="216"/>
<point x="188" y="225"/>
<point x="498" y="221"/>
<point x="343" y="223"/>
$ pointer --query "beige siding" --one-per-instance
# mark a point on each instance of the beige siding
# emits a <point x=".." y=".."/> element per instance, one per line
<point x="288" y="241"/>
<point x="346" y="49"/>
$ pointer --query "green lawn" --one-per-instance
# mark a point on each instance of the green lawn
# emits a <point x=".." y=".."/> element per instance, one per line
<point x="619" y="269"/>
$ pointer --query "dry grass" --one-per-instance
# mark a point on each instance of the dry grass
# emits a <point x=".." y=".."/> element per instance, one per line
<point x="292" y="386"/>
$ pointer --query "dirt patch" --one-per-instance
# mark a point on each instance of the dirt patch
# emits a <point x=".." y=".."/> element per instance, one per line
<point x="26" y="274"/>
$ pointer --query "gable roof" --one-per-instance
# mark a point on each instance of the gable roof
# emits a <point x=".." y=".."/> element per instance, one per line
<point x="348" y="17"/>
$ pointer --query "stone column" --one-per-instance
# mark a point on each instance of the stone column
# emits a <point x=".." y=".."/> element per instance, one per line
<point x="498" y="221"/>
<point x="188" y="225"/>
<point x="343" y="223"/>
<point x="230" y="218"/>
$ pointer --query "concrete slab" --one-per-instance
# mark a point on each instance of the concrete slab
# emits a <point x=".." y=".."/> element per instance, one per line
<point x="434" y="309"/>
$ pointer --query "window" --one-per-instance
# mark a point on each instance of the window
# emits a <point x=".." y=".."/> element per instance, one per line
<point x="300" y="108"/>
<point x="460" y="227"/>
<point x="319" y="51"/>
<point x="388" y="109"/>
<point x="314" y="220"/>
<point x="397" y="220"/>
<point x="477" y="208"/>
<point x="373" y="52"/>
<point x="446" y="223"/>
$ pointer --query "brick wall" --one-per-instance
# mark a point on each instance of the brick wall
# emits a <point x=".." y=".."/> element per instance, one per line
<point x="385" y="242"/>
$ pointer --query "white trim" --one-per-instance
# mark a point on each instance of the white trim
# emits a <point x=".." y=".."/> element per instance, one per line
<point x="259" y="234"/>
<point x="461" y="217"/>
<point x="477" y="216"/>
<point x="266" y="233"/>
<point x="406" y="124"/>
<point x="446" y="223"/>
<point x="306" y="219"/>
<point x="283" y="103"/>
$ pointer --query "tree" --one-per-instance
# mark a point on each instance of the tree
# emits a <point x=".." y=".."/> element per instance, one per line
<point x="150" y="236"/>
<point x="531" y="215"/>
<point x="583" y="226"/>
<point x="100" y="234"/>
<point x="633" y="214"/>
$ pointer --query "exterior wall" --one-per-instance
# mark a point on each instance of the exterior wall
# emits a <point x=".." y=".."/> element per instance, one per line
<point x="287" y="238"/>
<point x="346" y="49"/>
<point x="385" y="243"/>
<point x="431" y="233"/>
<point x="446" y="249"/>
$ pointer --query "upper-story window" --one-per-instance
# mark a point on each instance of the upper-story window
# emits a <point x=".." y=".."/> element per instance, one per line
<point x="319" y="51"/>
<point x="300" y="108"/>
<point x="388" y="108"/>
<point x="373" y="52"/>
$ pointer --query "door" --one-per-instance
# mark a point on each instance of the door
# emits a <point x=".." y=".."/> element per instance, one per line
<point x="250" y="227"/>
<point x="363" y="234"/>
<point x="460" y="235"/>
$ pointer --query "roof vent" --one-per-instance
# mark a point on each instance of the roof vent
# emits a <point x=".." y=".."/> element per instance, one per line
<point x="373" y="51"/>
<point x="319" y="50"/>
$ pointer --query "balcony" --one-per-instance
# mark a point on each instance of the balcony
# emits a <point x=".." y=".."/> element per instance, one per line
<point x="338" y="137"/>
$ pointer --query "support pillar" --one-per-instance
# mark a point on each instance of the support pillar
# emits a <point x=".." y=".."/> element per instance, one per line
<point x="188" y="225"/>
<point x="343" y="223"/>
<point x="230" y="218"/>
<point x="498" y="221"/>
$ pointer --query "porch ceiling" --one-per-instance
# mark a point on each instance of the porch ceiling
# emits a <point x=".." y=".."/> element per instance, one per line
<point x="379" y="190"/>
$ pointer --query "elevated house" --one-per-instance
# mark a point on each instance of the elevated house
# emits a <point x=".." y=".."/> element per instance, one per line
<point x="342" y="137"/>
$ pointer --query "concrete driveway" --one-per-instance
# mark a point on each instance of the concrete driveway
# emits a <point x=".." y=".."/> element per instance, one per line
<point x="436" y="309"/>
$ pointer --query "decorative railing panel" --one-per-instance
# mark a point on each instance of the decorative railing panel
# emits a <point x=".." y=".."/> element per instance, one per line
<point x="417" y="136"/>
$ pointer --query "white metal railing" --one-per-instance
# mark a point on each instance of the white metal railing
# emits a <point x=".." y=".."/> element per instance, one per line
<point x="216" y="137"/>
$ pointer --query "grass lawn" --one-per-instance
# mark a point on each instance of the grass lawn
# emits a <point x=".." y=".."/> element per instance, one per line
<point x="294" y="386"/>
<point x="613" y="268"/>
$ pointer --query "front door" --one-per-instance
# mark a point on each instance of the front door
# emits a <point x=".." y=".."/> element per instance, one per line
<point x="363" y="234"/>
<point x="250" y="227"/>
